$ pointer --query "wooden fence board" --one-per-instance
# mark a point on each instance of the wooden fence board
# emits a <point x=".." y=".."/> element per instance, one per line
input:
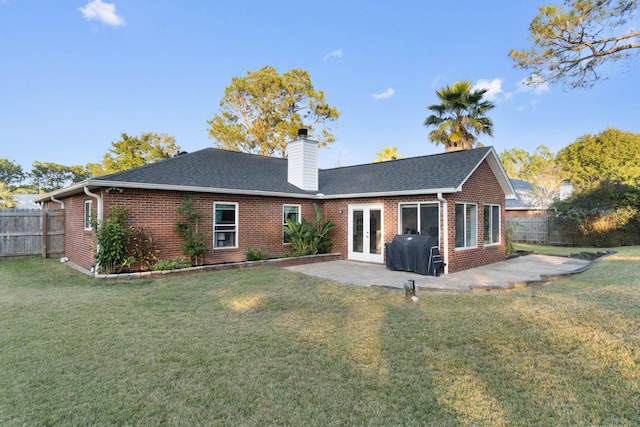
<point x="543" y="230"/>
<point x="21" y="232"/>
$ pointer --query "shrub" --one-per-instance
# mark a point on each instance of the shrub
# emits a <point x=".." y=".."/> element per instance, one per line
<point x="144" y="248"/>
<point x="309" y="237"/>
<point x="112" y="238"/>
<point x="256" y="254"/>
<point x="171" y="264"/>
<point x="194" y="245"/>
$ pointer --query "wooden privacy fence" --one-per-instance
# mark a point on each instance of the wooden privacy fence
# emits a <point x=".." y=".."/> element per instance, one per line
<point x="29" y="232"/>
<point x="544" y="230"/>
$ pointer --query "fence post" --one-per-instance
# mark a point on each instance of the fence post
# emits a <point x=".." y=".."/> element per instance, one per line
<point x="44" y="233"/>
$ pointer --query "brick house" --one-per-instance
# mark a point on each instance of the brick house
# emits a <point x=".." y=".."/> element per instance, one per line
<point x="457" y="197"/>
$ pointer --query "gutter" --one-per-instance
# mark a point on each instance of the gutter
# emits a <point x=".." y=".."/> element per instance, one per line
<point x="53" y="199"/>
<point x="445" y="225"/>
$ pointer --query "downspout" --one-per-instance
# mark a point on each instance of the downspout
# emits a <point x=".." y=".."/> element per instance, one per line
<point x="99" y="215"/>
<point x="445" y="224"/>
<point x="53" y="199"/>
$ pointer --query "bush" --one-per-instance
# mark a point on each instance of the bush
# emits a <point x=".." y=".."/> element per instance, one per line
<point x="113" y="239"/>
<point x="309" y="237"/>
<point x="608" y="215"/>
<point x="144" y="248"/>
<point x="171" y="264"/>
<point x="194" y="245"/>
<point x="256" y="254"/>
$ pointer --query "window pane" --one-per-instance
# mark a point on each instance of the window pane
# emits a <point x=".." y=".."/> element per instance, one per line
<point x="375" y="238"/>
<point x="292" y="213"/>
<point x="429" y="221"/>
<point x="459" y="226"/>
<point x="358" y="231"/>
<point x="471" y="222"/>
<point x="487" y="224"/>
<point x="409" y="218"/>
<point x="495" y="224"/>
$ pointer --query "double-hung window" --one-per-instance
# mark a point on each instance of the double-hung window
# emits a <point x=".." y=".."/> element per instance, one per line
<point x="87" y="215"/>
<point x="225" y="225"/>
<point x="491" y="224"/>
<point x="291" y="212"/>
<point x="466" y="225"/>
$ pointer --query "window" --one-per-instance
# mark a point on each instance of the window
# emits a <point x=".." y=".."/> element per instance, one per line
<point x="466" y="228"/>
<point x="491" y="224"/>
<point x="87" y="215"/>
<point x="291" y="212"/>
<point x="225" y="225"/>
<point x="420" y="218"/>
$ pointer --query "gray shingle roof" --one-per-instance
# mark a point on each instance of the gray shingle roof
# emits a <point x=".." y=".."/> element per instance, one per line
<point x="218" y="170"/>
<point x="434" y="172"/>
<point x="213" y="168"/>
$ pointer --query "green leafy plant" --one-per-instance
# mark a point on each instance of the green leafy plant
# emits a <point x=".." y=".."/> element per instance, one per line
<point x="309" y="237"/>
<point x="256" y="254"/>
<point x="194" y="245"/>
<point x="171" y="264"/>
<point x="143" y="248"/>
<point x="112" y="238"/>
<point x="509" y="233"/>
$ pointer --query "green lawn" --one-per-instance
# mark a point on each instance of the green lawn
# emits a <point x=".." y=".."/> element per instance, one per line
<point x="265" y="346"/>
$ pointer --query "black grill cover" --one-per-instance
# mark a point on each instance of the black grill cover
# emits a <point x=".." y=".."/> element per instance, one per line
<point x="409" y="252"/>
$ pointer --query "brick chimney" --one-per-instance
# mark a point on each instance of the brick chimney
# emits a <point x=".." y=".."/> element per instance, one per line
<point x="303" y="162"/>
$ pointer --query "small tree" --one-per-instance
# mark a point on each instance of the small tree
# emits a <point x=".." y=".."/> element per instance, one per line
<point x="112" y="237"/>
<point x="309" y="237"/>
<point x="194" y="245"/>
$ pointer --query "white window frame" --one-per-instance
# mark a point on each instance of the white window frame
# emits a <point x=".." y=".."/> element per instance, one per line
<point x="417" y="205"/>
<point x="491" y="207"/>
<point x="87" y="214"/>
<point x="284" y="222"/>
<point x="464" y="231"/>
<point x="227" y="229"/>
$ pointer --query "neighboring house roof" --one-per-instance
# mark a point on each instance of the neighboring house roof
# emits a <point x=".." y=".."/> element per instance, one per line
<point x="26" y="201"/>
<point x="215" y="170"/>
<point x="525" y="198"/>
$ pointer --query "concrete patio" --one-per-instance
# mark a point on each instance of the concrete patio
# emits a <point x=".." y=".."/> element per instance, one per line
<point x="503" y="275"/>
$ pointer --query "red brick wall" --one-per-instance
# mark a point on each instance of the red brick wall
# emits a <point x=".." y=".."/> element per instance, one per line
<point x="482" y="187"/>
<point x="260" y="221"/>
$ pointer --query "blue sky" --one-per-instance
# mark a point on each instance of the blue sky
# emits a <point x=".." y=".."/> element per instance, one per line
<point x="74" y="75"/>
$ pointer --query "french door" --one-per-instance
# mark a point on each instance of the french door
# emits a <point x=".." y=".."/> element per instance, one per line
<point x="366" y="233"/>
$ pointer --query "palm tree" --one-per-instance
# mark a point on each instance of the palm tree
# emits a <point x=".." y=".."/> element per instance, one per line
<point x="460" y="117"/>
<point x="6" y="197"/>
<point x="388" y="153"/>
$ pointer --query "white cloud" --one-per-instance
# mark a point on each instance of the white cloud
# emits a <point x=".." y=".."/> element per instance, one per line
<point x="335" y="54"/>
<point x="386" y="94"/>
<point x="538" y="89"/>
<point x="494" y="90"/>
<point x="103" y="12"/>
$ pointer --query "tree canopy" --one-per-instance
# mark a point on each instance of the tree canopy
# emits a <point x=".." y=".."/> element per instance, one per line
<point x="48" y="176"/>
<point x="10" y="173"/>
<point x="133" y="151"/>
<point x="571" y="43"/>
<point x="460" y="117"/>
<point x="612" y="154"/>
<point x="388" y="153"/>
<point x="262" y="112"/>
<point x="538" y="168"/>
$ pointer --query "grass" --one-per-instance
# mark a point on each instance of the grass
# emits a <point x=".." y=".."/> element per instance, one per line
<point x="266" y="346"/>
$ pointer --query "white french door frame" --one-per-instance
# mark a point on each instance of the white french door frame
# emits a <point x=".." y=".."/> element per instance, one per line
<point x="368" y="234"/>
